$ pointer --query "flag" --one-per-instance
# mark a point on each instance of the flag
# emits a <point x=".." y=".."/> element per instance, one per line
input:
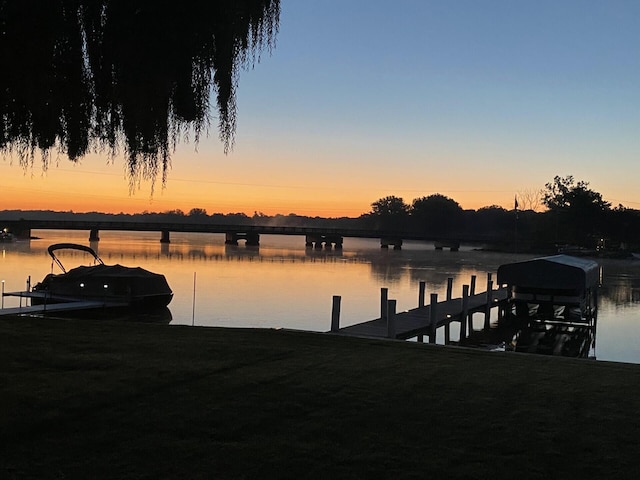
<point x="515" y="202"/>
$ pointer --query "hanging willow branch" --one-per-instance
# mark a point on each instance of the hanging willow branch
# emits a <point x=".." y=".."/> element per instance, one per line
<point x="83" y="75"/>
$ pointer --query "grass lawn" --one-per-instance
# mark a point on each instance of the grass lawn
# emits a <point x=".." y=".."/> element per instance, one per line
<point x="85" y="399"/>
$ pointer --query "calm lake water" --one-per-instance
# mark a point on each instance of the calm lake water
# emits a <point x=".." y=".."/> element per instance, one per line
<point x="282" y="284"/>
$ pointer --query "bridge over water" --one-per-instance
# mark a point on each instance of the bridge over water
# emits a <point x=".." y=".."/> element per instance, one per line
<point x="315" y="237"/>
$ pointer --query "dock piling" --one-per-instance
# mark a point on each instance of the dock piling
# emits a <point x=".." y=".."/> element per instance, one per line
<point x="384" y="296"/>
<point x="421" y="297"/>
<point x="391" y="319"/>
<point x="425" y="320"/>
<point x="487" y="312"/>
<point x="447" y="326"/>
<point x="335" y="313"/>
<point x="465" y="312"/>
<point x="433" y="316"/>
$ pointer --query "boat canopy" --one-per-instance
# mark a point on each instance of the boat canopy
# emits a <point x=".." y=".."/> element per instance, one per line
<point x="557" y="272"/>
<point x="71" y="246"/>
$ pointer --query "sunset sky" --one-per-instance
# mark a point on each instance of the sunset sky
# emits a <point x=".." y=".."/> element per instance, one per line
<point x="477" y="100"/>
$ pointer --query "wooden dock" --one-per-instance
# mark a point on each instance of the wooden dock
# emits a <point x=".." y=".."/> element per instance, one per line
<point x="61" y="304"/>
<point x="426" y="319"/>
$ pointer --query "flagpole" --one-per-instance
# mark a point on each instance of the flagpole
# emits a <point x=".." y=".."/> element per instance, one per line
<point x="515" y="239"/>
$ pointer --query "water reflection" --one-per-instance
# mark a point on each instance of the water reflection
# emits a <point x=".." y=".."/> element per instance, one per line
<point x="620" y="278"/>
<point x="160" y="317"/>
<point x="620" y="282"/>
<point x="283" y="284"/>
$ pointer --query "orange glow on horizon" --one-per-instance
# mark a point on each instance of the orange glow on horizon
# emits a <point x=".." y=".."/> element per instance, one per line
<point x="17" y="198"/>
<point x="219" y="187"/>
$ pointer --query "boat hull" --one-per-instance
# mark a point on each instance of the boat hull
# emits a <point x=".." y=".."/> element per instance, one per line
<point x="114" y="285"/>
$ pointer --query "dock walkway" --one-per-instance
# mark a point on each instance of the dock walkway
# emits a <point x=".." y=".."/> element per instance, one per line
<point x="61" y="304"/>
<point x="426" y="319"/>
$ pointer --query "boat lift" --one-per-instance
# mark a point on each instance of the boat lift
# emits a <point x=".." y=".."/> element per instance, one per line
<point x="554" y="302"/>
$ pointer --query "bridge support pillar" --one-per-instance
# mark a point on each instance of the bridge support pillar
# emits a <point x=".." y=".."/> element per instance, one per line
<point x="94" y="235"/>
<point x="396" y="242"/>
<point x="251" y="239"/>
<point x="336" y="240"/>
<point x="231" y="238"/>
<point x="164" y="237"/>
<point x="452" y="245"/>
<point x="329" y="241"/>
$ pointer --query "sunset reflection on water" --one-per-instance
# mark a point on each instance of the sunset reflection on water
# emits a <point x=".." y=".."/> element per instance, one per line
<point x="282" y="284"/>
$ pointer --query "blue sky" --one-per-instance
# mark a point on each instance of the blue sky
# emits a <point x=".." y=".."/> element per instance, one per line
<point x="476" y="100"/>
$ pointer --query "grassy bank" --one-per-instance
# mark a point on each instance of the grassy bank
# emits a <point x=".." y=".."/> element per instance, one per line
<point x="111" y="400"/>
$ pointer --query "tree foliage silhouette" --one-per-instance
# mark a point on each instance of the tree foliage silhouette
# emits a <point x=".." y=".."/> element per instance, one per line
<point x="565" y="194"/>
<point x="84" y="75"/>
<point x="578" y="211"/>
<point x="436" y="213"/>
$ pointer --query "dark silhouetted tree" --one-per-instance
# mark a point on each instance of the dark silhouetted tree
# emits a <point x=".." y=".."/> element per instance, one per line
<point x="389" y="213"/>
<point x="436" y="214"/>
<point x="493" y="218"/>
<point x="79" y="75"/>
<point x="578" y="213"/>
<point x="565" y="194"/>
<point x="198" y="212"/>
<point x="389" y="206"/>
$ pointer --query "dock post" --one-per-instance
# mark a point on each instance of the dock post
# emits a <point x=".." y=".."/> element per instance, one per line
<point x="447" y="326"/>
<point x="472" y="292"/>
<point x="335" y="313"/>
<point x="421" y="294"/>
<point x="487" y="312"/>
<point x="391" y="319"/>
<point x="464" y="313"/>
<point x="433" y="317"/>
<point x="384" y="295"/>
